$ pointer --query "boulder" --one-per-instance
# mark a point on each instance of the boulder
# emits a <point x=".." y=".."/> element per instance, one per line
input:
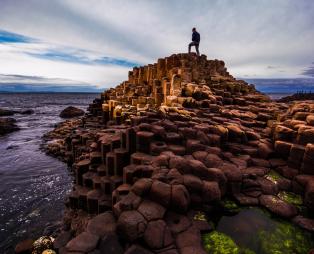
<point x="25" y="246"/>
<point x="157" y="235"/>
<point x="102" y="224"/>
<point x="110" y="244"/>
<point x="192" y="183"/>
<point x="8" y="125"/>
<point x="151" y="210"/>
<point x="6" y="112"/>
<point x="70" y="112"/>
<point x="210" y="192"/>
<point x="160" y="192"/>
<point x="131" y="225"/>
<point x="84" y="242"/>
<point x="180" y="198"/>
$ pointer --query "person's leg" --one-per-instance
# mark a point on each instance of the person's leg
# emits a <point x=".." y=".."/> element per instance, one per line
<point x="196" y="47"/>
<point x="190" y="45"/>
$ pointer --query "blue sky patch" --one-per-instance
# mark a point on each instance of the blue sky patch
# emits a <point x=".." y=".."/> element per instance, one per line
<point x="8" y="37"/>
<point x="66" y="57"/>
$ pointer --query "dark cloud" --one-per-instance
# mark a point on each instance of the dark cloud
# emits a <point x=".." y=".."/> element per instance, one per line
<point x="309" y="71"/>
<point x="272" y="67"/>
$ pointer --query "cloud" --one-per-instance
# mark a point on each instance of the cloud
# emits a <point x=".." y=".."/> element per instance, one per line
<point x="98" y="41"/>
<point x="272" y="67"/>
<point x="309" y="71"/>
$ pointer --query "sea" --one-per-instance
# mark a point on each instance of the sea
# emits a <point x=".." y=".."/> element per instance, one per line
<point x="33" y="186"/>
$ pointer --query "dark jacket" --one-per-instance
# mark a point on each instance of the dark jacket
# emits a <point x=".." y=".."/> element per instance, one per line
<point x="196" y="37"/>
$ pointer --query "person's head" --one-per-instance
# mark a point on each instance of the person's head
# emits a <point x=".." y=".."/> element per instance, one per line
<point x="193" y="29"/>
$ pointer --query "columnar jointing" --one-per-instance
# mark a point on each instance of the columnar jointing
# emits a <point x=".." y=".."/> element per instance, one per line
<point x="174" y="139"/>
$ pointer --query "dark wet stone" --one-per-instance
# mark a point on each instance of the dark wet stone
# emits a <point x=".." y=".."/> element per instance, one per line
<point x="157" y="235"/>
<point x="24" y="247"/>
<point x="102" y="224"/>
<point x="62" y="239"/>
<point x="137" y="249"/>
<point x="305" y="223"/>
<point x="70" y="112"/>
<point x="151" y="210"/>
<point x="84" y="242"/>
<point x="8" y="125"/>
<point x="131" y="225"/>
<point x="110" y="244"/>
<point x="278" y="206"/>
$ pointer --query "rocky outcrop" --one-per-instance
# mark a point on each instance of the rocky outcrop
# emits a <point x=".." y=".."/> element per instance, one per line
<point x="173" y="140"/>
<point x="7" y="125"/>
<point x="70" y="112"/>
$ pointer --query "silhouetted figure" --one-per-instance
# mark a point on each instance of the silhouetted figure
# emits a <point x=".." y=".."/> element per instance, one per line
<point x="196" y="38"/>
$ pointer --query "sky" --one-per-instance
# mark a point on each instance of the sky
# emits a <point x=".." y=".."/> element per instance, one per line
<point x="94" y="43"/>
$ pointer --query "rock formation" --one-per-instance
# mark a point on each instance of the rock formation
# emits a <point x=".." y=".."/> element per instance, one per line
<point x="71" y="111"/>
<point x="172" y="141"/>
<point x="7" y="125"/>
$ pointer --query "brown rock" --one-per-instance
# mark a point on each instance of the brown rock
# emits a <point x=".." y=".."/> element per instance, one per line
<point x="177" y="222"/>
<point x="102" y="224"/>
<point x="157" y="235"/>
<point x="84" y="242"/>
<point x="278" y="206"/>
<point x="151" y="210"/>
<point x="24" y="247"/>
<point x="131" y="225"/>
<point x="70" y="112"/>
<point x="180" y="198"/>
<point x="211" y="191"/>
<point x="160" y="192"/>
<point x="192" y="183"/>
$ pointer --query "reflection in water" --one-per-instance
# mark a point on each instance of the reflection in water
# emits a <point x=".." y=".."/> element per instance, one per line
<point x="256" y="230"/>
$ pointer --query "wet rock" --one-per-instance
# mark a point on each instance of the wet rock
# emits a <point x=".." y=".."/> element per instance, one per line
<point x="161" y="192"/>
<point x="6" y="112"/>
<point x="27" y="112"/>
<point x="305" y="223"/>
<point x="131" y="225"/>
<point x="84" y="242"/>
<point x="277" y="206"/>
<point x="157" y="235"/>
<point x="180" y="198"/>
<point x="24" y="247"/>
<point x="137" y="249"/>
<point x="62" y="239"/>
<point x="102" y="224"/>
<point x="8" y="125"/>
<point x="110" y="244"/>
<point x="151" y="210"/>
<point x="71" y="112"/>
<point x="177" y="222"/>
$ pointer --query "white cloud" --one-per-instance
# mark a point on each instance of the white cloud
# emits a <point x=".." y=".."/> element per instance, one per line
<point x="247" y="35"/>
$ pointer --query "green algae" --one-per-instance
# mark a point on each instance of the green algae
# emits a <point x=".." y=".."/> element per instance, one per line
<point x="219" y="243"/>
<point x="273" y="176"/>
<point x="285" y="239"/>
<point x="231" y="206"/>
<point x="200" y="216"/>
<point x="291" y="198"/>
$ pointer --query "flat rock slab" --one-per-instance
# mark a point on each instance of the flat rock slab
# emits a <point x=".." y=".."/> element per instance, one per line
<point x="278" y="206"/>
<point x="102" y="224"/>
<point x="84" y="242"/>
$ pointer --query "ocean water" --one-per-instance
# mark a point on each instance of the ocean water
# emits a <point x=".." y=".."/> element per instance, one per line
<point x="32" y="185"/>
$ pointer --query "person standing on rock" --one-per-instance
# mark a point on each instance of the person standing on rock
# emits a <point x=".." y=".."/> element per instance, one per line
<point x="196" y="38"/>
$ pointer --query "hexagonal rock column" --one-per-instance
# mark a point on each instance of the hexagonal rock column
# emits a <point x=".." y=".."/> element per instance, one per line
<point x="143" y="140"/>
